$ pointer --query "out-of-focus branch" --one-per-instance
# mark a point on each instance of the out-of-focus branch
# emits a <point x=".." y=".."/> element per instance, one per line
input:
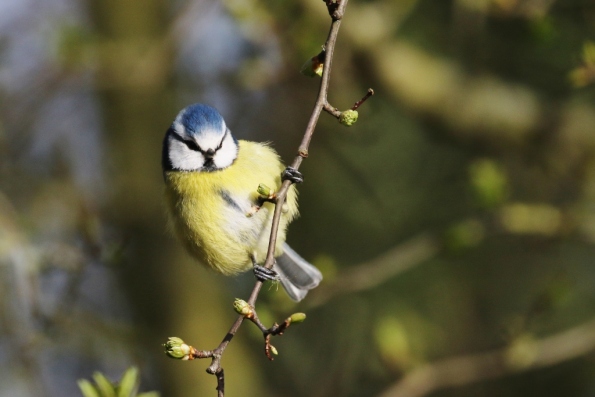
<point x="465" y="370"/>
<point x="376" y="271"/>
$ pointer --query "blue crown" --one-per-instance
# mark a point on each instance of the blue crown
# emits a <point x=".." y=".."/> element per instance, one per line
<point x="199" y="117"/>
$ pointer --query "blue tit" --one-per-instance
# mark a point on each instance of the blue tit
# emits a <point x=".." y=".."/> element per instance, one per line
<point x="211" y="181"/>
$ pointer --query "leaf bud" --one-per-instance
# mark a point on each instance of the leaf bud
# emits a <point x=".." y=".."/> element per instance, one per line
<point x="176" y="348"/>
<point x="264" y="190"/>
<point x="348" y="117"/>
<point x="314" y="66"/>
<point x="274" y="350"/>
<point x="242" y="307"/>
<point x="297" y="318"/>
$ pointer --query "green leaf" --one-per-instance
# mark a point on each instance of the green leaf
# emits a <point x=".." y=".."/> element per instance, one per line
<point x="87" y="388"/>
<point x="129" y="383"/>
<point x="126" y="387"/>
<point x="105" y="387"/>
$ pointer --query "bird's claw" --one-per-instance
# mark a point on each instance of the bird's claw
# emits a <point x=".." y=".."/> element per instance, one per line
<point x="293" y="175"/>
<point x="263" y="274"/>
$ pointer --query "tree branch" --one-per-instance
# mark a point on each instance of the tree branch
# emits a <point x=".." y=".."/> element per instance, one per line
<point x="464" y="370"/>
<point x="301" y="154"/>
<point x="176" y="347"/>
<point x="380" y="269"/>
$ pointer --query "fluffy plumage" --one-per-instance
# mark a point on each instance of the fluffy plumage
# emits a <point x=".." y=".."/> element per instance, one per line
<point x="209" y="209"/>
<point x="211" y="182"/>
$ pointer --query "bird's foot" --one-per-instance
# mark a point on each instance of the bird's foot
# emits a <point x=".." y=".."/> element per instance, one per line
<point x="293" y="175"/>
<point x="263" y="274"/>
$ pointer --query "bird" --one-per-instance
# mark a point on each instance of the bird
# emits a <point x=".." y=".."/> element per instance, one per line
<point x="211" y="182"/>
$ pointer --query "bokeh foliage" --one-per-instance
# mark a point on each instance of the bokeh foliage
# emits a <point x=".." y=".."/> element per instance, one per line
<point x="480" y="139"/>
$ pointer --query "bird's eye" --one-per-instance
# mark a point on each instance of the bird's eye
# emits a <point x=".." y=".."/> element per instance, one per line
<point x="192" y="146"/>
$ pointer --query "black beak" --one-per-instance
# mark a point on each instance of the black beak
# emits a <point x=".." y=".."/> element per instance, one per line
<point x="209" y="154"/>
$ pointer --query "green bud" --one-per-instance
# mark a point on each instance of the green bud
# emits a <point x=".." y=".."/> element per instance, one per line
<point x="176" y="348"/>
<point x="297" y="318"/>
<point x="242" y="307"/>
<point x="348" y="117"/>
<point x="313" y="67"/>
<point x="274" y="350"/>
<point x="264" y="190"/>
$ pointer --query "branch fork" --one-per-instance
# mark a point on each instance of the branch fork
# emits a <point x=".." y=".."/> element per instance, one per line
<point x="176" y="347"/>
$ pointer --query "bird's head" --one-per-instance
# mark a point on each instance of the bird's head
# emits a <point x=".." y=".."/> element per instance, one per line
<point x="198" y="140"/>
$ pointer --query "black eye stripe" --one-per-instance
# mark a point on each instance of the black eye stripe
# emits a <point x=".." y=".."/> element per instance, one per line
<point x="194" y="146"/>
<point x="222" y="139"/>
<point x="190" y="144"/>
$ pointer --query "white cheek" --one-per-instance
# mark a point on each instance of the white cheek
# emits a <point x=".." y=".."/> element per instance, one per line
<point x="227" y="154"/>
<point x="182" y="158"/>
<point x="179" y="127"/>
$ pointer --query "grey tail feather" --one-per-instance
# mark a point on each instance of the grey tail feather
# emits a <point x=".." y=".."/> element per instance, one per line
<point x="296" y="274"/>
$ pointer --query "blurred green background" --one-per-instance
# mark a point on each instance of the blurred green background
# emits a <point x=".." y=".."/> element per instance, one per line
<point x="454" y="223"/>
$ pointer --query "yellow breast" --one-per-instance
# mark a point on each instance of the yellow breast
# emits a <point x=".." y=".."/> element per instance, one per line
<point x="208" y="210"/>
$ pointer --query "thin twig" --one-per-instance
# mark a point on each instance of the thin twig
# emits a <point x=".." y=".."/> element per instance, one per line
<point x="176" y="346"/>
<point x="336" y="10"/>
<point x="321" y="102"/>
<point x="220" y="383"/>
<point x="364" y="99"/>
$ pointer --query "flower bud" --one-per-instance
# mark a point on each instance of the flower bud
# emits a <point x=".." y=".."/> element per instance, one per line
<point x="242" y="307"/>
<point x="348" y="117"/>
<point x="176" y="348"/>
